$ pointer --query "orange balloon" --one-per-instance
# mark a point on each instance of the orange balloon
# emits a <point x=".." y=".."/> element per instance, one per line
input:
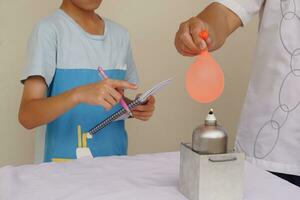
<point x="204" y="79"/>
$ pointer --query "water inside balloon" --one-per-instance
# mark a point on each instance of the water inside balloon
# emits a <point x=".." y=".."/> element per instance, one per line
<point x="204" y="79"/>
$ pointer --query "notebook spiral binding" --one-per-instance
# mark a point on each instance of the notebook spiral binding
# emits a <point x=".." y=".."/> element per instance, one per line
<point x="138" y="101"/>
<point x="113" y="117"/>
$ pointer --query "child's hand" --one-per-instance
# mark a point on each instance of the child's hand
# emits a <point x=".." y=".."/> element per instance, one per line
<point x="105" y="93"/>
<point x="145" y="111"/>
<point x="188" y="41"/>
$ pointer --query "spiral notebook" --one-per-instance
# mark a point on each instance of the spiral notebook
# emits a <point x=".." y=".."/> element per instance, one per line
<point x="122" y="113"/>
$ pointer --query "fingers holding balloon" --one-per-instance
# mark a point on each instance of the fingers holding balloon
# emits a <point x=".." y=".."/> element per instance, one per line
<point x="184" y="42"/>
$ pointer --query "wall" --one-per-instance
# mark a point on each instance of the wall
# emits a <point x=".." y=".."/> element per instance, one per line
<point x="152" y="25"/>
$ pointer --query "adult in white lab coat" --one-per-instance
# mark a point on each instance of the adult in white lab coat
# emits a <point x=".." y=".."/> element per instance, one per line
<point x="269" y="130"/>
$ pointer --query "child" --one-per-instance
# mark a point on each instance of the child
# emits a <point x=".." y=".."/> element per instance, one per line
<point x="269" y="127"/>
<point x="64" y="52"/>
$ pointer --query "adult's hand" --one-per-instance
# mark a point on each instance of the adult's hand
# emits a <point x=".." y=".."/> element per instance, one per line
<point x="187" y="40"/>
<point x="216" y="19"/>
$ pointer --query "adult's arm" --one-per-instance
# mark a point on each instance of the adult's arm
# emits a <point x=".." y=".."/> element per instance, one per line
<point x="217" y="19"/>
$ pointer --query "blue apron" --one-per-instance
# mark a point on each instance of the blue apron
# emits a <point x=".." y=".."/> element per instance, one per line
<point x="61" y="134"/>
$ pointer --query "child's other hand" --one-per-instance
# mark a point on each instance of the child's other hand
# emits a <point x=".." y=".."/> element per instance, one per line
<point x="188" y="41"/>
<point x="105" y="93"/>
<point x="145" y="111"/>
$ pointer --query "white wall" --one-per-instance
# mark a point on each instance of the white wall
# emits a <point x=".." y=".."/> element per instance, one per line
<point x="152" y="25"/>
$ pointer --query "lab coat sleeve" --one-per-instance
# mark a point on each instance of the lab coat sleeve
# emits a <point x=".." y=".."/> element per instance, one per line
<point x="244" y="9"/>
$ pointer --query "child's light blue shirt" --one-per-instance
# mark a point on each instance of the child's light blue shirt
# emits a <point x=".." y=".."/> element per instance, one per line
<point x="66" y="56"/>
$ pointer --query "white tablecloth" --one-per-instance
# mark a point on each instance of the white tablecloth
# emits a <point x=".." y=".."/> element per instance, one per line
<point x="141" y="177"/>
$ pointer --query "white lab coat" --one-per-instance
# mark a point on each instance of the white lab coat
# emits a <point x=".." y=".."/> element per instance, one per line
<point x="269" y="130"/>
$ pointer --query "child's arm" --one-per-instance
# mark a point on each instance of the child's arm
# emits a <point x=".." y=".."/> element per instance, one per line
<point x="217" y="19"/>
<point x="36" y="109"/>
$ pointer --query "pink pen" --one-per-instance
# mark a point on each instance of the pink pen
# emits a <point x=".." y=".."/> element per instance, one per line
<point x="122" y="102"/>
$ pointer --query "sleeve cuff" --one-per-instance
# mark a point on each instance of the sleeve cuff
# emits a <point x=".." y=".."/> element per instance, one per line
<point x="237" y="8"/>
<point x="25" y="76"/>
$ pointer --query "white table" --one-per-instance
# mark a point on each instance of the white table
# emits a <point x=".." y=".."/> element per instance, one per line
<point x="141" y="177"/>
